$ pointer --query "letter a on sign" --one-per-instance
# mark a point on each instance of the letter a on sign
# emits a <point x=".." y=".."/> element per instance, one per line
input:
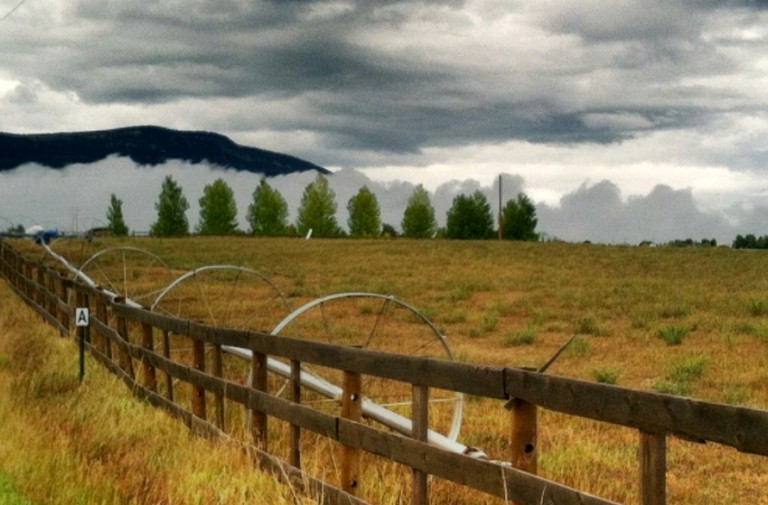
<point x="81" y="316"/>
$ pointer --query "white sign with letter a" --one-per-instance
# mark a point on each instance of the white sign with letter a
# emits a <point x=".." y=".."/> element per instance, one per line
<point x="81" y="317"/>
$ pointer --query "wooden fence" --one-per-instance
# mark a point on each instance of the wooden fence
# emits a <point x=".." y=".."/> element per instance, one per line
<point x="135" y="360"/>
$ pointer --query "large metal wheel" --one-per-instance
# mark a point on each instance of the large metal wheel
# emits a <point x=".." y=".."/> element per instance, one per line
<point x="226" y="296"/>
<point x="377" y="322"/>
<point x="134" y="274"/>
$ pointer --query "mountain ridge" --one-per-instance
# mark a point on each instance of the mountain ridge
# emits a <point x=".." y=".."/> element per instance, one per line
<point x="145" y="145"/>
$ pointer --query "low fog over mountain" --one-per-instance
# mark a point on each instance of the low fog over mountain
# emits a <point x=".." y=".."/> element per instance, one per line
<point x="77" y="197"/>
<point x="145" y="145"/>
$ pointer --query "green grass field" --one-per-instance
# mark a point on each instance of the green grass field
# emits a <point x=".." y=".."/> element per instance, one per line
<point x="690" y="322"/>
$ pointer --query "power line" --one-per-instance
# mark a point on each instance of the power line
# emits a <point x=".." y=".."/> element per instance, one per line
<point x="8" y="14"/>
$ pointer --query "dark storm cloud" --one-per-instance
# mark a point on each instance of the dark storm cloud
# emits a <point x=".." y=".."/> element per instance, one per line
<point x="358" y="94"/>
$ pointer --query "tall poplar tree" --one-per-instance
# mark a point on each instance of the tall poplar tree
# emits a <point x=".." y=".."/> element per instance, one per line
<point x="171" y="209"/>
<point x="470" y="217"/>
<point x="218" y="211"/>
<point x="317" y="211"/>
<point x="115" y="217"/>
<point x="364" y="214"/>
<point x="268" y="213"/>
<point x="419" y="216"/>
<point x="520" y="219"/>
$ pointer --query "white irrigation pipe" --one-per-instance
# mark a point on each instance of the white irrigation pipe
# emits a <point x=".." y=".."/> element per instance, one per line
<point x="87" y="280"/>
<point x="371" y="410"/>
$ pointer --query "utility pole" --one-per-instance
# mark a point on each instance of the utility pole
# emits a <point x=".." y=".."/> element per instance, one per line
<point x="501" y="214"/>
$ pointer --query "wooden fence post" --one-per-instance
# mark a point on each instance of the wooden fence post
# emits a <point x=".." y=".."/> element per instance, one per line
<point x="26" y="281"/>
<point x="126" y="362"/>
<point x="105" y="344"/>
<point x="63" y="291"/>
<point x="420" y="426"/>
<point x="53" y="294"/>
<point x="58" y="289"/>
<point x="351" y="408"/>
<point x="295" y="456"/>
<point x="47" y="291"/>
<point x="198" y="393"/>
<point x="167" y="355"/>
<point x="259" y="382"/>
<point x="218" y="371"/>
<point x="40" y="297"/>
<point x="148" y="371"/>
<point x="524" y="435"/>
<point x="653" y="468"/>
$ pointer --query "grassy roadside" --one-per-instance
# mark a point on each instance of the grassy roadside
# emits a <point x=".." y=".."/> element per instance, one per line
<point x="66" y="443"/>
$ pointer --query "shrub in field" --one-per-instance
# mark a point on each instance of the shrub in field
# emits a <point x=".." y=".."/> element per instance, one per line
<point x="605" y="375"/>
<point x="673" y="335"/>
<point x="736" y="394"/>
<point x="759" y="331"/>
<point x="673" y="388"/>
<point x="762" y="334"/>
<point x="588" y="326"/>
<point x="641" y="321"/>
<point x="462" y="292"/>
<point x="681" y="376"/>
<point x="523" y="336"/>
<point x="757" y="307"/>
<point x="579" y="347"/>
<point x="675" y="311"/>
<point x="688" y="369"/>
<point x="488" y="323"/>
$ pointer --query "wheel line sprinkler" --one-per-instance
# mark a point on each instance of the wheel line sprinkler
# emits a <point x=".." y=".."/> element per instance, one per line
<point x="371" y="409"/>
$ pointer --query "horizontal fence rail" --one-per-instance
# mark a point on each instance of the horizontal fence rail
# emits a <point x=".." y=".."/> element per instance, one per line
<point x="142" y="360"/>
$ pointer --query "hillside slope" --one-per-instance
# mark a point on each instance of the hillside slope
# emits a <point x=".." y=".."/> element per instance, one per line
<point x="146" y="145"/>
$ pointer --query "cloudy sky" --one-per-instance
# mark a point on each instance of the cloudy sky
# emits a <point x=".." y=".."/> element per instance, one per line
<point x="623" y="120"/>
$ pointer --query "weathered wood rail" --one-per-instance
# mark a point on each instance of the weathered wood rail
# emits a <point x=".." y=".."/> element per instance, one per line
<point x="125" y="340"/>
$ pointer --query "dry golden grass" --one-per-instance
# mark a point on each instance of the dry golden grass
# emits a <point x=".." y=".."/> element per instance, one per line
<point x="62" y="442"/>
<point x="685" y="321"/>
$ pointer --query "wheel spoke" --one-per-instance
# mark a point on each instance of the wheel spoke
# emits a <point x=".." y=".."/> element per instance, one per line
<point x="376" y="322"/>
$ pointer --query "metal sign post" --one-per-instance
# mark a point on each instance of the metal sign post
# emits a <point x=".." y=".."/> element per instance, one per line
<point x="81" y="322"/>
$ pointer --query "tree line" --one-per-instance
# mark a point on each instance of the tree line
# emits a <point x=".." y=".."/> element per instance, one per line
<point x="470" y="216"/>
<point x="750" y="241"/>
